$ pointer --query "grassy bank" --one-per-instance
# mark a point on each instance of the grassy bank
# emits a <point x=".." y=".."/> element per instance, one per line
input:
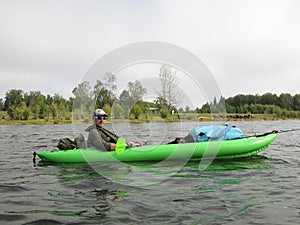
<point x="4" y="120"/>
<point x="27" y="122"/>
<point x="185" y="117"/>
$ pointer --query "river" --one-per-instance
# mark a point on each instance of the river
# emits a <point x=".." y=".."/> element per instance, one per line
<point x="263" y="189"/>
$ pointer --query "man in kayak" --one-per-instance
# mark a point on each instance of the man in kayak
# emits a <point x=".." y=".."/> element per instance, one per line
<point x="101" y="138"/>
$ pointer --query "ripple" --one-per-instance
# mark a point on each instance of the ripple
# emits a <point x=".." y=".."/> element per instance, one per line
<point x="11" y="217"/>
<point x="43" y="222"/>
<point x="12" y="188"/>
<point x="257" y="190"/>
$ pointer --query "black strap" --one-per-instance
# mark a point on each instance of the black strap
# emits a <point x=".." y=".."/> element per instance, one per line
<point x="267" y="133"/>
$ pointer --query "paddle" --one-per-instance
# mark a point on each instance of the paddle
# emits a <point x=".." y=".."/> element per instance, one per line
<point x="121" y="145"/>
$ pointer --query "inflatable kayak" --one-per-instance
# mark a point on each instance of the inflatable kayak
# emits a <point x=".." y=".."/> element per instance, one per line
<point x="226" y="149"/>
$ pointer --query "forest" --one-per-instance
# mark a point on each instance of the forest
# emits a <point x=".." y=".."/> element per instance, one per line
<point x="20" y="105"/>
<point x="24" y="106"/>
<point x="281" y="106"/>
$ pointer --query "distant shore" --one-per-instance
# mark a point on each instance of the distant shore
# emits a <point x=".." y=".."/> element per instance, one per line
<point x="184" y="118"/>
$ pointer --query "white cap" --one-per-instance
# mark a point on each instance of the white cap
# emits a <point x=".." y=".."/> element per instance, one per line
<point x="99" y="112"/>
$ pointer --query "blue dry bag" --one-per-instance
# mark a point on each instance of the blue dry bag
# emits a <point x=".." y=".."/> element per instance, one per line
<point x="215" y="133"/>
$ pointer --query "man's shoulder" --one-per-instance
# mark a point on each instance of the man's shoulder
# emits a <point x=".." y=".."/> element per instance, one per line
<point x="90" y="128"/>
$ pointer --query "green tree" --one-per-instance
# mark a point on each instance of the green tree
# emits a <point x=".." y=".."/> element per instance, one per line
<point x="136" y="91"/>
<point x="218" y="107"/>
<point x="103" y="95"/>
<point x="117" y="111"/>
<point x="21" y="112"/>
<point x="296" y="102"/>
<point x="252" y="99"/>
<point x="104" y="92"/>
<point x="36" y="103"/>
<point x="205" y="108"/>
<point x="180" y="110"/>
<point x="125" y="103"/>
<point x="285" y="113"/>
<point x="13" y="100"/>
<point x="286" y="101"/>
<point x="1" y="104"/>
<point x="107" y="109"/>
<point x="82" y="95"/>
<point x="110" y="83"/>
<point x="26" y="113"/>
<point x="62" y="106"/>
<point x="49" y="100"/>
<point x="136" y="111"/>
<point x="164" y="113"/>
<point x="54" y="111"/>
<point x="187" y="109"/>
<point x="70" y="103"/>
<point x="268" y="99"/>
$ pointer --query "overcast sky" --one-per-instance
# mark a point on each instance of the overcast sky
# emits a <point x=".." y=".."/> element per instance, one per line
<point x="250" y="46"/>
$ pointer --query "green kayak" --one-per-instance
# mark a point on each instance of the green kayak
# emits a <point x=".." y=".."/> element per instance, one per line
<point x="227" y="149"/>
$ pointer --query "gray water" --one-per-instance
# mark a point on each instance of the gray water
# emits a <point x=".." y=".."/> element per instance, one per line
<point x="264" y="189"/>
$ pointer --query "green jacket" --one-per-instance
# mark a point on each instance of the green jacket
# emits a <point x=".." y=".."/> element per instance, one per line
<point x="100" y="137"/>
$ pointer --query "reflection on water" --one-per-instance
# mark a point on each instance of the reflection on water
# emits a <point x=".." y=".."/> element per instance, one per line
<point x="221" y="175"/>
<point x="72" y="172"/>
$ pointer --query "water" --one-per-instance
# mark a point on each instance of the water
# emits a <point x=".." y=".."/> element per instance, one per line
<point x="259" y="190"/>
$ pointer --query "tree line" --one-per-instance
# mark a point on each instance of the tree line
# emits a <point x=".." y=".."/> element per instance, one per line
<point x="284" y="105"/>
<point x="21" y="105"/>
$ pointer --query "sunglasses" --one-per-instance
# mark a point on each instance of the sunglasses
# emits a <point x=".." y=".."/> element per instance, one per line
<point x="101" y="117"/>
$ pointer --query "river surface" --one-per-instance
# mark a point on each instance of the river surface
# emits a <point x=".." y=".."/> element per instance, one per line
<point x="263" y="189"/>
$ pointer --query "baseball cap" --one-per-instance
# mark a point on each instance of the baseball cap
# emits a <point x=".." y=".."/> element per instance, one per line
<point x="99" y="112"/>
